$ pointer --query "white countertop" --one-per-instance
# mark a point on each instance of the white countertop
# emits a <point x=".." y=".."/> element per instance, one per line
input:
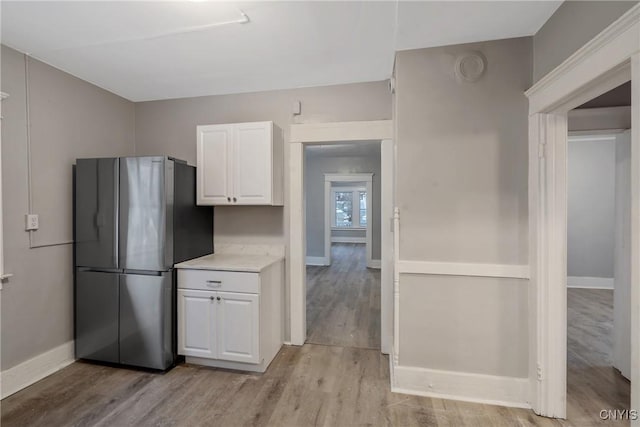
<point x="231" y="262"/>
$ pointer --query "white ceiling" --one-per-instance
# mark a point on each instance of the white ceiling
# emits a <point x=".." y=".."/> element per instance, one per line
<point x="158" y="50"/>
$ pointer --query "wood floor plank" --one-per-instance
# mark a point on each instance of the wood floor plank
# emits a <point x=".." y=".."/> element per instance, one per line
<point x="343" y="300"/>
<point x="592" y="383"/>
<point x="312" y="385"/>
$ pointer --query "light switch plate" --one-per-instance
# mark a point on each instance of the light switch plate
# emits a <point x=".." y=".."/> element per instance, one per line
<point x="31" y="222"/>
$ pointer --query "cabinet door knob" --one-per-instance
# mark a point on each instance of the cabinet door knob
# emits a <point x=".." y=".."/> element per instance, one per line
<point x="235" y="200"/>
<point x="211" y="298"/>
<point x="218" y="298"/>
<point x="228" y="199"/>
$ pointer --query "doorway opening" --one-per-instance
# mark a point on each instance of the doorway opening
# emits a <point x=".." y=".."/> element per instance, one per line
<point x="599" y="255"/>
<point x="359" y="132"/>
<point x="343" y="228"/>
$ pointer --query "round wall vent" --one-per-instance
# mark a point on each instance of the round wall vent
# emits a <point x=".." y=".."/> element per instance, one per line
<point x="470" y="67"/>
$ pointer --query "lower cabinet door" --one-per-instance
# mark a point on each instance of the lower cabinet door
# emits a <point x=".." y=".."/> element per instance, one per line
<point x="197" y="323"/>
<point x="238" y="327"/>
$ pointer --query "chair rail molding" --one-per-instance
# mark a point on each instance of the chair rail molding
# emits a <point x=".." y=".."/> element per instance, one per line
<point x="463" y="269"/>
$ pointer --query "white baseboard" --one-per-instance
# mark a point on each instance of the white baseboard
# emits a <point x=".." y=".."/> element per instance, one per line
<point x="590" y="282"/>
<point x="33" y="370"/>
<point x="317" y="260"/>
<point x="478" y="388"/>
<point x="348" y="240"/>
<point x="375" y="263"/>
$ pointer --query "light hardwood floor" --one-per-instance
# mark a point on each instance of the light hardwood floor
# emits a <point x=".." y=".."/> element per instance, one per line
<point x="592" y="383"/>
<point x="311" y="385"/>
<point x="343" y="300"/>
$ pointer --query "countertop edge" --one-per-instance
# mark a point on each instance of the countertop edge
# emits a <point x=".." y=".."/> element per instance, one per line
<point x="271" y="259"/>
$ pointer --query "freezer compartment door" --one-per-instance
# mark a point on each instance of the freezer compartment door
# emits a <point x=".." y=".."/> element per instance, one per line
<point x="96" y="312"/>
<point x="146" y="320"/>
<point x="146" y="213"/>
<point x="96" y="213"/>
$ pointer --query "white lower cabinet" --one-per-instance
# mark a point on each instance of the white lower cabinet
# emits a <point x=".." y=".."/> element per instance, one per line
<point x="219" y="325"/>
<point x="238" y="327"/>
<point x="222" y="328"/>
<point x="197" y="333"/>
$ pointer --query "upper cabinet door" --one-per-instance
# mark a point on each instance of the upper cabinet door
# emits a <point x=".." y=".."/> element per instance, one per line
<point x="252" y="167"/>
<point x="240" y="164"/>
<point x="214" y="157"/>
<point x="96" y="210"/>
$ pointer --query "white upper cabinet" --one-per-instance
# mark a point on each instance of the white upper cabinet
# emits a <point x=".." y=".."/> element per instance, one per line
<point x="240" y="164"/>
<point x="215" y="148"/>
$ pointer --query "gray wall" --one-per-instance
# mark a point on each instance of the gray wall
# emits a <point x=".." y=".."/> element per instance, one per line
<point x="462" y="193"/>
<point x="591" y="208"/>
<point x="169" y="127"/>
<point x="70" y="118"/>
<point x="569" y="28"/>
<point x="462" y="155"/>
<point x="316" y="165"/>
<point x="464" y="324"/>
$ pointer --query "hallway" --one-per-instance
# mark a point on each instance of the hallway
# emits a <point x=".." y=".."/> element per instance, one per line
<point x="343" y="300"/>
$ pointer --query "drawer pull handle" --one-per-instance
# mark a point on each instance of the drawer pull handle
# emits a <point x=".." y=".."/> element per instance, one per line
<point x="214" y="283"/>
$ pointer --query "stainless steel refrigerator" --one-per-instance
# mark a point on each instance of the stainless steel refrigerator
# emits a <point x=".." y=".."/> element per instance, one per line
<point x="134" y="218"/>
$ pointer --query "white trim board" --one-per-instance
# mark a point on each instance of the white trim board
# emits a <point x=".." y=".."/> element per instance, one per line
<point x="468" y="387"/>
<point x="317" y="260"/>
<point x="328" y="133"/>
<point x="610" y="59"/>
<point x="339" y="132"/>
<point x="590" y="282"/>
<point x="343" y="239"/>
<point x="463" y="269"/>
<point x="33" y="370"/>
<point x="605" y="57"/>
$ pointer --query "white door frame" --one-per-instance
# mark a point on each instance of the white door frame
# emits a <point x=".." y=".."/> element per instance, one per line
<point x="333" y="133"/>
<point x="330" y="178"/>
<point x="605" y="62"/>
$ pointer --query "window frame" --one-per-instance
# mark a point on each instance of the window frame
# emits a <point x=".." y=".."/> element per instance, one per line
<point x="355" y="219"/>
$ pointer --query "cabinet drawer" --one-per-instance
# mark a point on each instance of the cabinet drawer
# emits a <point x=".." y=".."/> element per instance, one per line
<point x="211" y="280"/>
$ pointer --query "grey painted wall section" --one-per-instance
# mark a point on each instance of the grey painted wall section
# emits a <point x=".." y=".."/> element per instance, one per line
<point x="569" y="28"/>
<point x="462" y="155"/>
<point x="169" y="127"/>
<point x="70" y="118"/>
<point x="462" y="193"/>
<point x="316" y="165"/>
<point x="464" y="324"/>
<point x="591" y="208"/>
